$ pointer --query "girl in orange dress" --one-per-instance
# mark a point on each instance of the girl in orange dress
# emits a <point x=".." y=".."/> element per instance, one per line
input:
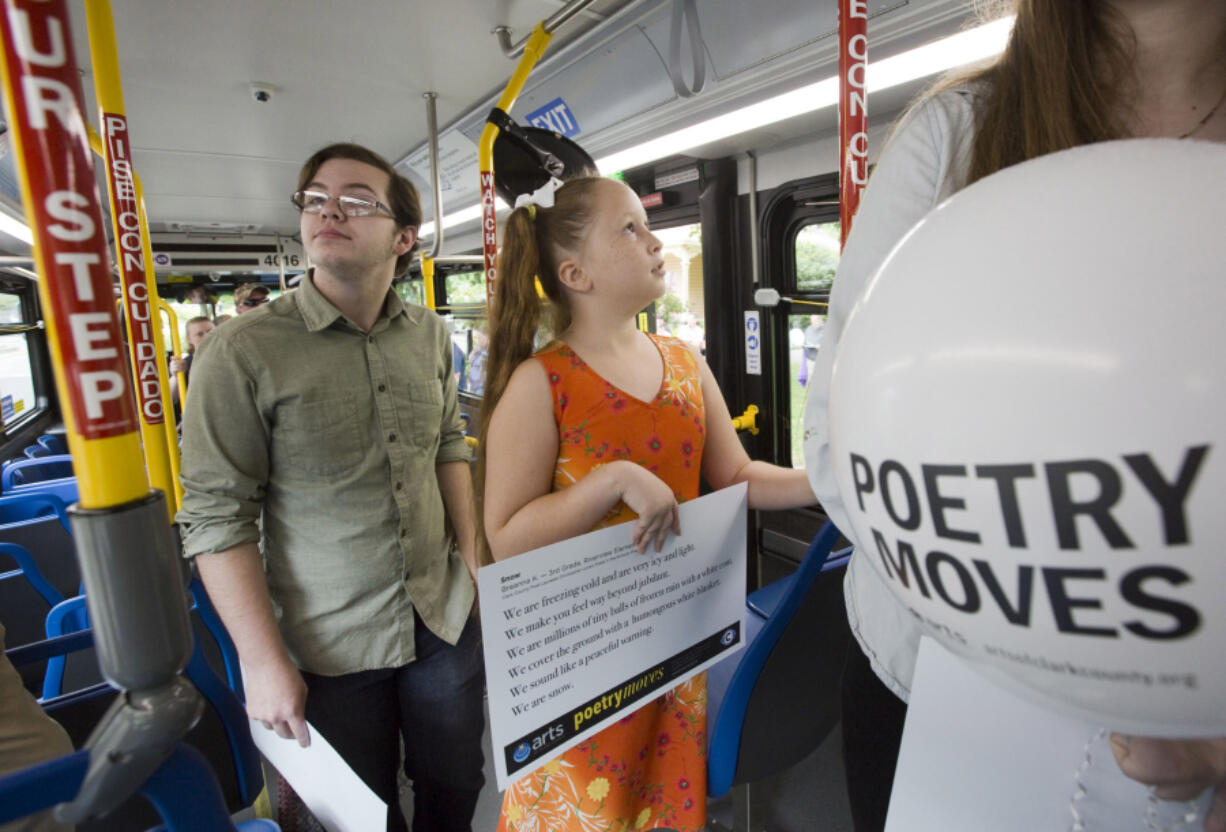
<point x="605" y="425"/>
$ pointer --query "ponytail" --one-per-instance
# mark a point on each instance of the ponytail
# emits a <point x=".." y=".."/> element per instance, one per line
<point x="530" y="250"/>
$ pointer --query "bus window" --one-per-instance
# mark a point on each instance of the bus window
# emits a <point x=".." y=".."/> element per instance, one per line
<point x="411" y="291"/>
<point x="17" y="394"/>
<point x="680" y="311"/>
<point x="816" y="250"/>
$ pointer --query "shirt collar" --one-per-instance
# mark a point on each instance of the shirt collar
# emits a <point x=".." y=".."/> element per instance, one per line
<point x="318" y="313"/>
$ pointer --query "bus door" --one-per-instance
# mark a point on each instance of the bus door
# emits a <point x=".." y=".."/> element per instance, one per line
<point x="799" y="230"/>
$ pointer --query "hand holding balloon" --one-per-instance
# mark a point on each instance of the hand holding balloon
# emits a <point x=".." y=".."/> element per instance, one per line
<point x="1037" y="484"/>
<point x="1177" y="769"/>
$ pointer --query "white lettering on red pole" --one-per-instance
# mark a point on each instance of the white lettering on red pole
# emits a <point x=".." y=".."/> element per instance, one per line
<point x="82" y="274"/>
<point x="128" y="247"/>
<point x="86" y="332"/>
<point x="489" y="222"/>
<point x="59" y="205"/>
<point x="20" y="21"/>
<point x="45" y="103"/>
<point x="100" y="387"/>
<point x="853" y="108"/>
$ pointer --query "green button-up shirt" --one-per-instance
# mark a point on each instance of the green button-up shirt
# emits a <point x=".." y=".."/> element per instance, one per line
<point x="319" y="441"/>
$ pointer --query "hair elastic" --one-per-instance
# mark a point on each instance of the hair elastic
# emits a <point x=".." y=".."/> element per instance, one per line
<point x="531" y="211"/>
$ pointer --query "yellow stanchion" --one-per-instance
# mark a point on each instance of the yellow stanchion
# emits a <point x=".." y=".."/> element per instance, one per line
<point x="427" y="279"/>
<point x="176" y="348"/>
<point x="57" y="187"/>
<point x="131" y="248"/>
<point x="533" y="49"/>
<point x="130" y="565"/>
<point x="174" y="497"/>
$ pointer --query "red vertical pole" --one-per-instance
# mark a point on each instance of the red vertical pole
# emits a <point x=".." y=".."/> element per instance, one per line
<point x="853" y="108"/>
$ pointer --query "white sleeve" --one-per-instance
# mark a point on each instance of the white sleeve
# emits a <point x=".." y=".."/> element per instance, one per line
<point x="912" y="176"/>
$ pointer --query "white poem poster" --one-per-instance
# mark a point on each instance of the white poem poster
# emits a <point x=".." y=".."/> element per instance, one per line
<point x="588" y="630"/>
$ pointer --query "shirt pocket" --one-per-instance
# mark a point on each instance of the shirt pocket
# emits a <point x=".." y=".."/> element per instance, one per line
<point x="424" y="404"/>
<point x="319" y="438"/>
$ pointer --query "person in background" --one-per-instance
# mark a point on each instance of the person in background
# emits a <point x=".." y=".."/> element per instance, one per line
<point x="1074" y="72"/>
<point x="194" y="332"/>
<point x="604" y="425"/>
<point x="477" y="361"/>
<point x="249" y="296"/>
<point x="458" y="365"/>
<point x="328" y="503"/>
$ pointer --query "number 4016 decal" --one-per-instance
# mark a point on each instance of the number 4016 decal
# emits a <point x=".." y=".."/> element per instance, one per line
<point x="291" y="260"/>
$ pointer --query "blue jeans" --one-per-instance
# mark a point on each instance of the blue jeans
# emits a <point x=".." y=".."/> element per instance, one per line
<point x="435" y="704"/>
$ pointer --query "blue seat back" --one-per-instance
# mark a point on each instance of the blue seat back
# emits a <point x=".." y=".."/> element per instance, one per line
<point x="55" y="443"/>
<point x="19" y="508"/>
<point x="45" y="466"/>
<point x="783" y="698"/>
<point x="72" y="616"/>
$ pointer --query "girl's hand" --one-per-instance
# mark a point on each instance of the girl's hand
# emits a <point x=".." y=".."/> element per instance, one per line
<point x="1177" y="769"/>
<point x="653" y="501"/>
<point x="177" y="365"/>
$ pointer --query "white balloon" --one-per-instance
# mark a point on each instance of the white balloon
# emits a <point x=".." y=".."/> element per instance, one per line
<point x="1028" y="427"/>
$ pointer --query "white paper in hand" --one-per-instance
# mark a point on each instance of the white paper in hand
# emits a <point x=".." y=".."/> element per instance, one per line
<point x="337" y="797"/>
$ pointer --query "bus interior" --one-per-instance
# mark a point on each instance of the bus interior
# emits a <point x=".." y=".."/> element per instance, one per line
<point x="721" y="115"/>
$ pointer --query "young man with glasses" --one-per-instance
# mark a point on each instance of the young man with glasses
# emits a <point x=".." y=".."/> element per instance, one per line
<point x="329" y="507"/>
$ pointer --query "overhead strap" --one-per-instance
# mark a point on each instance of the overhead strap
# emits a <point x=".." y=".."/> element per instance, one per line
<point x="509" y="128"/>
<point x="685" y="12"/>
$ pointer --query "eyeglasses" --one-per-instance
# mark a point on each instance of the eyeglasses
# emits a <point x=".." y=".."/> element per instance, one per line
<point x="314" y="202"/>
<point x="251" y="303"/>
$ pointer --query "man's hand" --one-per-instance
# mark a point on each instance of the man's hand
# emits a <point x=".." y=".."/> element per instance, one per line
<point x="276" y="696"/>
<point x="1177" y="769"/>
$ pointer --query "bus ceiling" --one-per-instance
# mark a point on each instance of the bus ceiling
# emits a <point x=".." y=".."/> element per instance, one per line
<point x="218" y="162"/>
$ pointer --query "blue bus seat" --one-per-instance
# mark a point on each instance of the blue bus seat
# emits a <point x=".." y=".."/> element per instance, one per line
<point x="223" y="734"/>
<point x="35" y="451"/>
<point x="65" y="488"/>
<point x="35" y="469"/>
<point x="24" y="507"/>
<point x="216" y="630"/>
<point x="179" y="791"/>
<point x="27" y="568"/>
<point x="55" y="443"/>
<point x="45" y="572"/>
<point x="243" y="778"/>
<point x="782" y="698"/>
<point x="762" y="602"/>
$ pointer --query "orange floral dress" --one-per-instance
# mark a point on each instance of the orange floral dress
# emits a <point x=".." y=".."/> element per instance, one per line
<point x="648" y="770"/>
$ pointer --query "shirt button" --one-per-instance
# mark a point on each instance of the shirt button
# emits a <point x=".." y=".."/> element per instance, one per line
<point x="404" y="532"/>
<point x="391" y="437"/>
<point x="382" y="388"/>
<point x="399" y="486"/>
<point x="370" y="340"/>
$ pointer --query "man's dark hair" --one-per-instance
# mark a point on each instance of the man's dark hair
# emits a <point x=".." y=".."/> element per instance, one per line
<point x="402" y="197"/>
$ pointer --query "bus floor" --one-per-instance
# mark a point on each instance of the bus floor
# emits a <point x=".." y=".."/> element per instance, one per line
<point x="808" y="797"/>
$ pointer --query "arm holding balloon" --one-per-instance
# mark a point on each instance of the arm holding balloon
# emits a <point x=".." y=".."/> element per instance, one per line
<point x="1177" y="769"/>
<point x="921" y="165"/>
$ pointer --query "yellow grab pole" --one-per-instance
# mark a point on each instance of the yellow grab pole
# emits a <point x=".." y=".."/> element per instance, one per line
<point x="129" y="561"/>
<point x="44" y="105"/>
<point x="175" y="346"/>
<point x="427" y="279"/>
<point x="175" y="496"/>
<point x="139" y="290"/>
<point x="533" y="49"/>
